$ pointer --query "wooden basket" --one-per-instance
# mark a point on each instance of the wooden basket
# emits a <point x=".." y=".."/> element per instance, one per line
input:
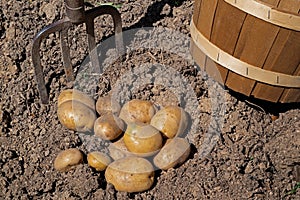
<point x="254" y="44"/>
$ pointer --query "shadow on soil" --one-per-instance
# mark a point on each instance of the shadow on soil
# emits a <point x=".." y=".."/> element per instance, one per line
<point x="266" y="106"/>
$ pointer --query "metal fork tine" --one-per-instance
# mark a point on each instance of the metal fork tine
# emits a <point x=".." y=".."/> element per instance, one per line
<point x="35" y="52"/>
<point x="109" y="10"/>
<point x="92" y="45"/>
<point x="66" y="54"/>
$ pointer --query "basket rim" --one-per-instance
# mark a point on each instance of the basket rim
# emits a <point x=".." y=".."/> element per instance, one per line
<point x="267" y="13"/>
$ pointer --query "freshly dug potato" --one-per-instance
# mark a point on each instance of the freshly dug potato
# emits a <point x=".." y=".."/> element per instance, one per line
<point x="171" y="121"/>
<point x="76" y="116"/>
<point x="66" y="159"/>
<point x="98" y="160"/>
<point x="142" y="139"/>
<point x="137" y="111"/>
<point x="173" y="153"/>
<point x="118" y="150"/>
<point x="130" y="174"/>
<point x="107" y="104"/>
<point x="108" y="127"/>
<point x="73" y="94"/>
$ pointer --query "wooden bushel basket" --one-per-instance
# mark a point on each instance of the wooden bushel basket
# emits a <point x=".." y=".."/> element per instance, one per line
<point x="254" y="44"/>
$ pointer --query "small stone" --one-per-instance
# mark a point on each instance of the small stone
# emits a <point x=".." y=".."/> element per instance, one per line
<point x="47" y="152"/>
<point x="249" y="168"/>
<point x="49" y="10"/>
<point x="166" y="10"/>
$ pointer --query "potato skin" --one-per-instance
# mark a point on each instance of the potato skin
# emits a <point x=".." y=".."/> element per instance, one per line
<point x="98" y="160"/>
<point x="66" y="159"/>
<point x="142" y="139"/>
<point x="171" y="121"/>
<point x="173" y="153"/>
<point x="130" y="174"/>
<point x="73" y="94"/>
<point x="118" y="150"/>
<point x="76" y="116"/>
<point x="137" y="111"/>
<point x="108" y="127"/>
<point x="107" y="104"/>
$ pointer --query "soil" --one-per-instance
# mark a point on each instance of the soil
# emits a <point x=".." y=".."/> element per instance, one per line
<point x="256" y="155"/>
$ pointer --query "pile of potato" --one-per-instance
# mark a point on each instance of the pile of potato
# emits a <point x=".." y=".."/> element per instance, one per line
<point x="142" y="138"/>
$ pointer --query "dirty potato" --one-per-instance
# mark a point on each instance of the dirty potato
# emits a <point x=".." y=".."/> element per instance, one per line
<point x="66" y="159"/>
<point x="173" y="153"/>
<point x="107" y="104"/>
<point x="171" y="121"/>
<point x="137" y="111"/>
<point x="142" y="139"/>
<point x="108" y="126"/>
<point x="76" y="116"/>
<point x="73" y="94"/>
<point x="130" y="174"/>
<point x="118" y="150"/>
<point x="98" y="160"/>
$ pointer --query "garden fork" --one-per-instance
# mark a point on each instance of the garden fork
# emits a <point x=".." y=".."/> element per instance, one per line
<point x="75" y="15"/>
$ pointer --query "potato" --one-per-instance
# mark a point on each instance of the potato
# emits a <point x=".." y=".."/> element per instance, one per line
<point x="137" y="111"/>
<point x="171" y="121"/>
<point x="142" y="139"/>
<point x="130" y="174"/>
<point x="107" y="104"/>
<point x="73" y="94"/>
<point x="173" y="153"/>
<point x="76" y="116"/>
<point x="118" y="150"/>
<point x="66" y="159"/>
<point x="108" y="127"/>
<point x="98" y="160"/>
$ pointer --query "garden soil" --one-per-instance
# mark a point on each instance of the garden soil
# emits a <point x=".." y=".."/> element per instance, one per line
<point x="255" y="156"/>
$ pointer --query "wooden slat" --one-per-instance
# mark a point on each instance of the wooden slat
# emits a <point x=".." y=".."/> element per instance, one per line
<point x="291" y="6"/>
<point x="227" y="26"/>
<point x="198" y="55"/>
<point x="206" y="17"/>
<point x="224" y="37"/>
<point x="256" y="39"/>
<point x="284" y="57"/>
<point x="273" y="3"/>
<point x="196" y="12"/>
<point x="216" y="71"/>
<point x="205" y="24"/>
<point x="291" y="95"/>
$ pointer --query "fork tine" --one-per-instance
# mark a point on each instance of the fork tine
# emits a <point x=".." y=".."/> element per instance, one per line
<point x="66" y="54"/>
<point x="36" y="60"/>
<point x="92" y="45"/>
<point x="110" y="10"/>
